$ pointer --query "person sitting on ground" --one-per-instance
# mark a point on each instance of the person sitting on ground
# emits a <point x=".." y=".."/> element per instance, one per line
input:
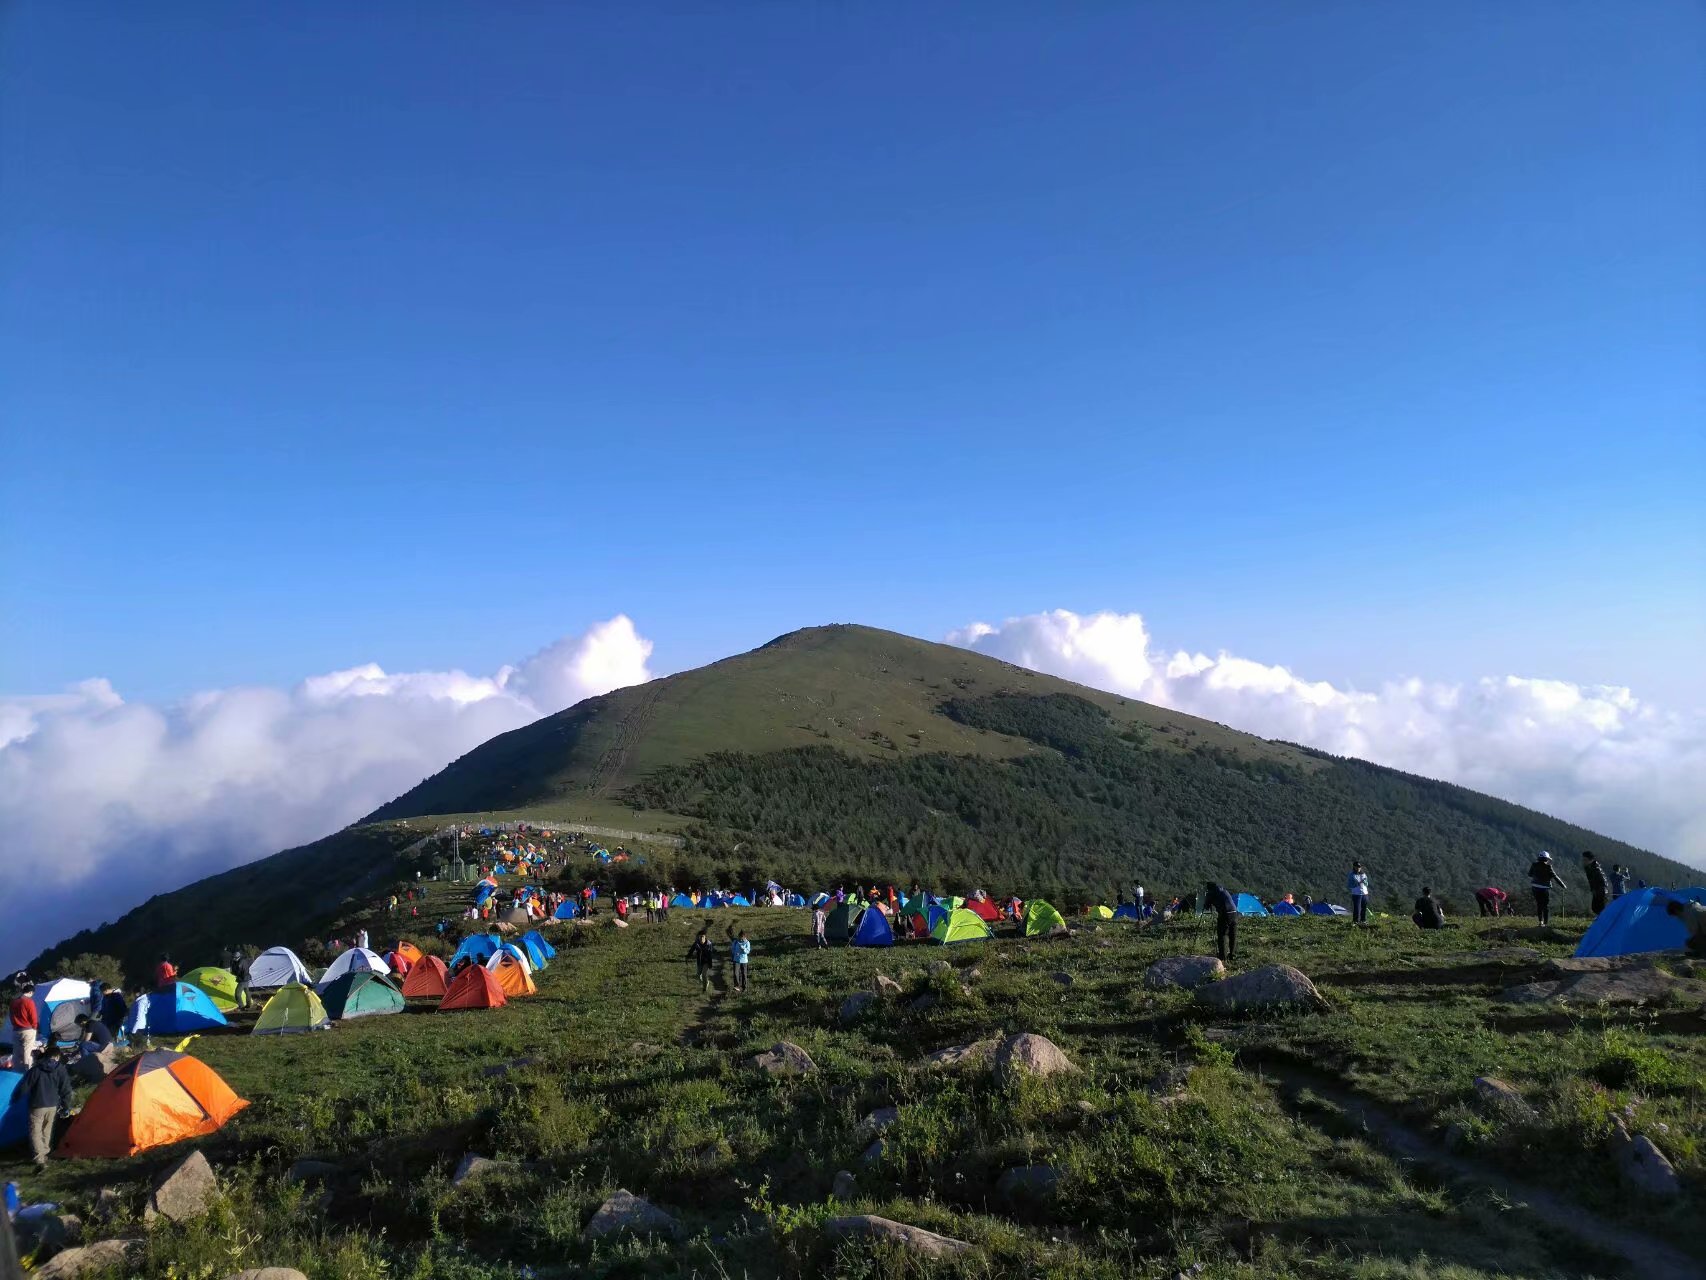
<point x="96" y="1054"/>
<point x="1693" y="917"/>
<point x="1491" y="900"/>
<point x="47" y="1093"/>
<point x="1428" y="913"/>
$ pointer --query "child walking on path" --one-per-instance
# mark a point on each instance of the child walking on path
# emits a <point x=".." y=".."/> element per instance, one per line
<point x="740" y="951"/>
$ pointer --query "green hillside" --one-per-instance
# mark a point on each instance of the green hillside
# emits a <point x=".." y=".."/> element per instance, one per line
<point x="845" y="753"/>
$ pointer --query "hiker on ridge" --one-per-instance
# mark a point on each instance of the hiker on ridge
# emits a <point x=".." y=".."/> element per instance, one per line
<point x="1596" y="880"/>
<point x="1541" y="878"/>
<point x="1357" y="883"/>
<point x="1225" y="907"/>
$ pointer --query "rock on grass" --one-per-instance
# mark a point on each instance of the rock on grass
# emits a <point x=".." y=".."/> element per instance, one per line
<point x="186" y="1191"/>
<point x="87" y="1260"/>
<point x="784" y="1058"/>
<point x="1273" y="986"/>
<point x="961" y="1055"/>
<point x="1189" y="972"/>
<point x="1029" y="1055"/>
<point x="626" y="1212"/>
<point x="867" y="1226"/>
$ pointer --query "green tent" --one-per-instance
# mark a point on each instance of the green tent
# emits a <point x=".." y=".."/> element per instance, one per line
<point x="361" y="993"/>
<point x="1041" y="918"/>
<point x="220" y="986"/>
<point x="294" y="1008"/>
<point x="839" y="926"/>
<point x="960" y="925"/>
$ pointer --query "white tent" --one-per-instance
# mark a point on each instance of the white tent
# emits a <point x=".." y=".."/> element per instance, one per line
<point x="59" y="1002"/>
<point x="277" y="967"/>
<point x="356" y="959"/>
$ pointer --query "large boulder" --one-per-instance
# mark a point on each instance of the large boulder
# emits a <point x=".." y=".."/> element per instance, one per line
<point x="1029" y="1055"/>
<point x="87" y="1260"/>
<point x="1642" y="1166"/>
<point x="626" y="1212"/>
<point x="186" y="1190"/>
<point x="962" y="1055"/>
<point x="867" y="1226"/>
<point x="1273" y="986"/>
<point x="784" y="1059"/>
<point x="1189" y="972"/>
<point x="854" y="1006"/>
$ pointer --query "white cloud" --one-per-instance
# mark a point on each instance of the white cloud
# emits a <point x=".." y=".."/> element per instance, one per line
<point x="1595" y="755"/>
<point x="104" y="802"/>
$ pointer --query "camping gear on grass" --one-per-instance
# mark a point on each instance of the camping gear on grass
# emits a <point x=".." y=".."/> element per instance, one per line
<point x="294" y="1007"/>
<point x="276" y="967"/>
<point x="361" y="995"/>
<point x="153" y="1100"/>
<point x="473" y="988"/>
<point x="960" y="925"/>
<point x="1041" y="918"/>
<point x="873" y="929"/>
<point x="1637" y="922"/>
<point x="428" y="978"/>
<point x="355" y="960"/>
<point x="174" y="1010"/>
<point x="219" y="984"/>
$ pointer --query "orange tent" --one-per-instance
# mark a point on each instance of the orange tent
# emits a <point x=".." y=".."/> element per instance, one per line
<point x="428" y="978"/>
<point x="511" y="975"/>
<point x="410" y="952"/>
<point x="151" y="1101"/>
<point x="473" y="988"/>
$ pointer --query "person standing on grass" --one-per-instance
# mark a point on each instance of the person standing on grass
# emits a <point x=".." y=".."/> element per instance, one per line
<point x="26" y="1022"/>
<point x="1619" y="881"/>
<point x="740" y="951"/>
<point x="702" y="952"/>
<point x="47" y="1093"/>
<point x="1219" y="899"/>
<point x="1541" y="878"/>
<point x="113" y="1009"/>
<point x="820" y="925"/>
<point x="1596" y="879"/>
<point x="1358" y="885"/>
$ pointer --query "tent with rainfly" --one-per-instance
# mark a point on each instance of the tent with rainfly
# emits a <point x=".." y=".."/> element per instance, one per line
<point x="294" y="1008"/>
<point x="984" y="910"/>
<point x="568" y="910"/>
<point x="174" y="1010"/>
<point x="1103" y="912"/>
<point x="873" y="930"/>
<point x="276" y="967"/>
<point x="960" y="925"/>
<point x="473" y="988"/>
<point x="1638" y="922"/>
<point x="361" y="993"/>
<point x="478" y="947"/>
<point x="410" y="952"/>
<point x="151" y="1101"/>
<point x="1041" y="918"/>
<point x="1250" y="905"/>
<point x="428" y="978"/>
<point x="681" y="900"/>
<point x="538" y="940"/>
<point x="535" y="957"/>
<point x="511" y="973"/>
<point x="1324" y="909"/>
<point x="838" y="927"/>
<point x="220" y="985"/>
<point x="355" y="960"/>
<point x="794" y="900"/>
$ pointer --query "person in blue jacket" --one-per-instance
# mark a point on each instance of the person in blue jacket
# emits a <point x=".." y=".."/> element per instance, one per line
<point x="1357" y="883"/>
<point x="740" y="951"/>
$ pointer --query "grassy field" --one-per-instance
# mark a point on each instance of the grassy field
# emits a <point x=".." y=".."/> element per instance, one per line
<point x="1241" y="1143"/>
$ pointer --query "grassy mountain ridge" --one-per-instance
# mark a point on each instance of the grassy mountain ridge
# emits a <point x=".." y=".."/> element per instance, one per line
<point x="846" y="752"/>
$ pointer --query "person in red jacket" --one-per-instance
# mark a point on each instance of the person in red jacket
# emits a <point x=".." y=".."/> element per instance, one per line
<point x="25" y="1025"/>
<point x="165" y="973"/>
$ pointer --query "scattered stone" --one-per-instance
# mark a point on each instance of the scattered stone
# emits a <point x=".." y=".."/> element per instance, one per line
<point x="965" y="991"/>
<point x="1504" y="1097"/>
<point x="625" y="1211"/>
<point x="267" y="1273"/>
<point x="1104" y="944"/>
<point x="972" y="975"/>
<point x="1062" y="977"/>
<point x="1273" y="985"/>
<point x="940" y="966"/>
<point x="887" y="986"/>
<point x="1496" y="955"/>
<point x="877" y="1121"/>
<point x="853" y="1008"/>
<point x="784" y="1059"/>
<point x="1084" y="1107"/>
<point x="473" y="1166"/>
<point x="1642" y="1166"/>
<point x="1189" y="972"/>
<point x="868" y="1226"/>
<point x="88" y="1259"/>
<point x="640" y="1049"/>
<point x="1633" y="979"/>
<point x="185" y="1191"/>
<point x="962" y="1054"/>
<point x="312" y="1171"/>
<point x="845" y="1186"/>
<point x="47" y="1233"/>
<point x="1059" y="931"/>
<point x="1031" y="1180"/>
<point x="1029" y="1055"/>
<point x="873" y="1154"/>
<point x="619" y="922"/>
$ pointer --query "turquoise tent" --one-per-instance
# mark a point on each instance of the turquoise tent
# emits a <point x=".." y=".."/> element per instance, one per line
<point x="873" y="930"/>
<point x="538" y="940"/>
<point x="569" y="910"/>
<point x="179" y="1009"/>
<point x="477" y="947"/>
<point x="739" y="900"/>
<point x="1637" y="922"/>
<point x="1250" y="905"/>
<point x="681" y="900"/>
<point x="535" y="956"/>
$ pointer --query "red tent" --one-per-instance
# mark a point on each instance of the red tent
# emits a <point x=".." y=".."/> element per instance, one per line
<point x="984" y="909"/>
<point x="473" y="988"/>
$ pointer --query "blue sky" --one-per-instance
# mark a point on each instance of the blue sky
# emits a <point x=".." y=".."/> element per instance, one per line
<point x="1364" y="338"/>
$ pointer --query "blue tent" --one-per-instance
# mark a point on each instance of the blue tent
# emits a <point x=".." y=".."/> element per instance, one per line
<point x="1250" y="905"/>
<point x="535" y="956"/>
<point x="1289" y="909"/>
<point x="568" y="911"/>
<point x="14" y="1116"/>
<point x="181" y="1008"/>
<point x="818" y="899"/>
<point x="1126" y="911"/>
<point x="681" y="900"/>
<point x="1327" y="909"/>
<point x="1637" y="922"/>
<point x="794" y="900"/>
<point x="538" y="940"/>
<point x="739" y="900"/>
<point x="476" y="947"/>
<point x="873" y="930"/>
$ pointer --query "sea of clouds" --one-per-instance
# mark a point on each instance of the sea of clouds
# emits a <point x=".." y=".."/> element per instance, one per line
<point x="104" y="802"/>
<point x="1596" y="755"/>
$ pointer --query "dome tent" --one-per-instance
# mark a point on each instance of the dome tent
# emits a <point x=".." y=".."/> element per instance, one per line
<point x="1638" y="922"/>
<point x="428" y="978"/>
<point x="14" y="1109"/>
<point x="960" y="926"/>
<point x="1317" y="909"/>
<point x="151" y="1101"/>
<point x="294" y="1008"/>
<point x="276" y="967"/>
<point x="873" y="930"/>
<point x="360" y="994"/>
<point x="1290" y="909"/>
<point x="1042" y="918"/>
<point x="355" y="960"/>
<point x="478" y="947"/>
<point x="473" y="988"/>
<point x="1250" y="905"/>
<point x="220" y="985"/>
<point x="177" y="1009"/>
<point x="838" y="927"/>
